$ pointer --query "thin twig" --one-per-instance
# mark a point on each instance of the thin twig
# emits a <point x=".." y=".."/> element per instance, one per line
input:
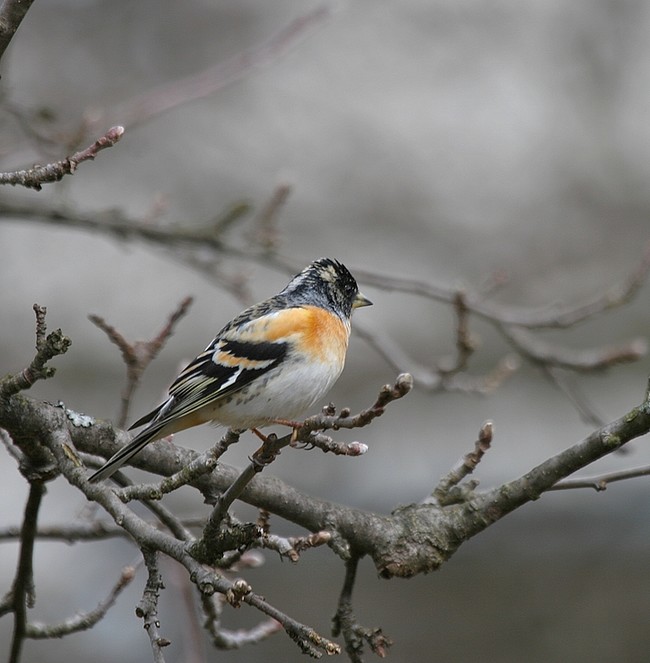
<point x="96" y="530"/>
<point x="465" y="344"/>
<point x="83" y="620"/>
<point x="448" y="490"/>
<point x="585" y="409"/>
<point x="205" y="83"/>
<point x="291" y="547"/>
<point x="35" y="177"/>
<point x="201" y="465"/>
<point x="557" y="317"/>
<point x="600" y="482"/>
<point x="147" y="608"/>
<point x="137" y="355"/>
<point x="47" y="347"/>
<point x="226" y="639"/>
<point x="22" y="591"/>
<point x="266" y="232"/>
<point x="545" y="354"/>
<point x="345" y="623"/>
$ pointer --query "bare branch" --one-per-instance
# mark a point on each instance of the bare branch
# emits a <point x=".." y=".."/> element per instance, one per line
<point x="292" y="546"/>
<point x="345" y="623"/>
<point x="47" y="347"/>
<point x="82" y="621"/>
<point x="12" y="13"/>
<point x="22" y="590"/>
<point x="465" y="343"/>
<point x="35" y="177"/>
<point x="448" y="490"/>
<point x="600" y="482"/>
<point x="137" y="355"/>
<point x="541" y="352"/>
<point x="201" y="465"/>
<point x="585" y="409"/>
<point x="151" y="538"/>
<point x="69" y="532"/>
<point x="147" y="609"/>
<point x="493" y="505"/>
<point x="226" y="639"/>
<point x="550" y="317"/>
<point x="266" y="233"/>
<point x="205" y="83"/>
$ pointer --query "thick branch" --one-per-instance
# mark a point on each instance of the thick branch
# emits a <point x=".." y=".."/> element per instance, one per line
<point x="493" y="505"/>
<point x="414" y="539"/>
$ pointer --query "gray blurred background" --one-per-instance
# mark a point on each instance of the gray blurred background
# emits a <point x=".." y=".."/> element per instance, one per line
<point x="443" y="140"/>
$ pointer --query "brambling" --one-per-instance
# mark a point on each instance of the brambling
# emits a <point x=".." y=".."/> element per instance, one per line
<point x="268" y="365"/>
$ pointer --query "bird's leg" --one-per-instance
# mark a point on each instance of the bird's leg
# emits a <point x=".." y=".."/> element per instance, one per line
<point x="268" y="452"/>
<point x="259" y="434"/>
<point x="295" y="425"/>
<point x="262" y="437"/>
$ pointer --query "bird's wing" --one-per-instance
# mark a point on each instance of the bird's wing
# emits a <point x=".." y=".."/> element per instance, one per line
<point x="236" y="357"/>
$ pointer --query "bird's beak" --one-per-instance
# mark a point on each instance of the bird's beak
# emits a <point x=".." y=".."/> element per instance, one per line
<point x="361" y="300"/>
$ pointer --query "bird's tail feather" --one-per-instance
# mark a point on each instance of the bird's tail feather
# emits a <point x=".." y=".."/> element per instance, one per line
<point x="126" y="453"/>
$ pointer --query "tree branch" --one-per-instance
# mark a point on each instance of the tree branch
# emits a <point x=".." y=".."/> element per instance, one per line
<point x="165" y="97"/>
<point x="345" y="623"/>
<point x="137" y="355"/>
<point x="84" y="620"/>
<point x="12" y="13"/>
<point x="35" y="177"/>
<point x="602" y="481"/>
<point x="22" y="591"/>
<point x="47" y="347"/>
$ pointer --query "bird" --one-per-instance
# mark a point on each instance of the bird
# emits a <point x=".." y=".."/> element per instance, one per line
<point x="269" y="364"/>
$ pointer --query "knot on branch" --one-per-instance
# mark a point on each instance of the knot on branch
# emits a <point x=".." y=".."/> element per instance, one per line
<point x="48" y="346"/>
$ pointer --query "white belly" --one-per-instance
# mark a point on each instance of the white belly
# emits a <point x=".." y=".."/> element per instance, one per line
<point x="284" y="393"/>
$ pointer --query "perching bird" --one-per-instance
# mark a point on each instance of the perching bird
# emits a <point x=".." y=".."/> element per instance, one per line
<point x="271" y="363"/>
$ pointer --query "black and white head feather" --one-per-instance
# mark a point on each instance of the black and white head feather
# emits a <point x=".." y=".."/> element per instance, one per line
<point x="325" y="282"/>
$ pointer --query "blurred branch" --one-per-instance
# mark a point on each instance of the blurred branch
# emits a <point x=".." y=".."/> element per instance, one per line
<point x="12" y="13"/>
<point x="558" y="317"/>
<point x="546" y="354"/>
<point x="600" y="482"/>
<point x="586" y="410"/>
<point x="266" y="234"/>
<point x="84" y="620"/>
<point x="35" y="177"/>
<point x="137" y="355"/>
<point x="116" y="223"/>
<point x="516" y="325"/>
<point x="165" y="97"/>
<point x="69" y="532"/>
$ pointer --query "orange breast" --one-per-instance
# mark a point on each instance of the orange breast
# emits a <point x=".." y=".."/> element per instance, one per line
<point x="313" y="330"/>
<point x="324" y="334"/>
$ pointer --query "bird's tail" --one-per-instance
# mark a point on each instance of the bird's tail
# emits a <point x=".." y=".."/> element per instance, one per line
<point x="136" y="445"/>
